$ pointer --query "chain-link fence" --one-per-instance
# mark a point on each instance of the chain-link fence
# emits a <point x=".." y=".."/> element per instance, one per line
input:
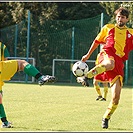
<point x="56" y="39"/>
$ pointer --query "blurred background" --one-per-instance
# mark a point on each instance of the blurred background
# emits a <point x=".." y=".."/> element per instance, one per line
<point x="54" y="35"/>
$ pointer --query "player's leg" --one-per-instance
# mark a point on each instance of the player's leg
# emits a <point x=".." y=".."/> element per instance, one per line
<point x="10" y="67"/>
<point x="105" y="65"/>
<point x="105" y="91"/>
<point x="5" y="123"/>
<point x="32" y="71"/>
<point x="115" y="90"/>
<point x="97" y="88"/>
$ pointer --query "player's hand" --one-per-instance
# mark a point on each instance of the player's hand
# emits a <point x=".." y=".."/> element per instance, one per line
<point x="84" y="58"/>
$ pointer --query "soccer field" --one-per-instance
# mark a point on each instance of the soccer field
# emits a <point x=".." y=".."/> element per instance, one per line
<point x="64" y="108"/>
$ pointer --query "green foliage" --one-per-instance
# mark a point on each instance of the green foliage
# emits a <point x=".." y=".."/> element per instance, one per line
<point x="5" y="15"/>
<point x="63" y="107"/>
<point x="15" y="12"/>
<point x="79" y="10"/>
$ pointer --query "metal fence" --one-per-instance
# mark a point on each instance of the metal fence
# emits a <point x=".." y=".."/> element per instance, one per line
<point x="56" y="39"/>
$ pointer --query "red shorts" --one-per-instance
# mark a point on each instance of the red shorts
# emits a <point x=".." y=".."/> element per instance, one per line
<point x="117" y="71"/>
<point x="101" y="77"/>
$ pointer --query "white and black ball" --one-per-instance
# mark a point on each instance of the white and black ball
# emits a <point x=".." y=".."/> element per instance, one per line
<point x="80" y="68"/>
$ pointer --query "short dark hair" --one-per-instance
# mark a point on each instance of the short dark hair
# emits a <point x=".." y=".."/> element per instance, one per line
<point x="123" y="11"/>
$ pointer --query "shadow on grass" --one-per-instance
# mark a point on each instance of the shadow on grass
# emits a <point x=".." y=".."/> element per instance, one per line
<point x="16" y="128"/>
<point x="120" y="129"/>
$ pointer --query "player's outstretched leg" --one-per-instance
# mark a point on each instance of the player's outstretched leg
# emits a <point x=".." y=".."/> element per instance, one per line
<point x="83" y="81"/>
<point x="90" y="74"/>
<point x="45" y="79"/>
<point x="32" y="71"/>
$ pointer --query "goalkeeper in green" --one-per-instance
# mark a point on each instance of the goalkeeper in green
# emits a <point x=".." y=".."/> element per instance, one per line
<point x="7" y="70"/>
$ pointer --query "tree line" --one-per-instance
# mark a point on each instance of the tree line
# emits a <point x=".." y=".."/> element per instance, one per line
<point x="14" y="12"/>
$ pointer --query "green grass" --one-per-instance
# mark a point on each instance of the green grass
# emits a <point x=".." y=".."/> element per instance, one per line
<point x="63" y="108"/>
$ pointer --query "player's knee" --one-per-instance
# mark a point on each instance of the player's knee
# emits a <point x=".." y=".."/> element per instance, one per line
<point x="110" y="65"/>
<point x="95" y="83"/>
<point x="22" y="64"/>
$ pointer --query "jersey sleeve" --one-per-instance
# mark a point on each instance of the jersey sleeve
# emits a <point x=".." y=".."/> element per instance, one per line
<point x="3" y="52"/>
<point x="131" y="32"/>
<point x="101" y="37"/>
<point x="6" y="52"/>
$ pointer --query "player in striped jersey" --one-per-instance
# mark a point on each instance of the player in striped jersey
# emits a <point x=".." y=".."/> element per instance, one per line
<point x="117" y="40"/>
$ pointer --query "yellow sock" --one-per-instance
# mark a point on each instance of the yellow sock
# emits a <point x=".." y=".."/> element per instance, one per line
<point x="105" y="91"/>
<point x="110" y="110"/>
<point x="95" y="71"/>
<point x="97" y="88"/>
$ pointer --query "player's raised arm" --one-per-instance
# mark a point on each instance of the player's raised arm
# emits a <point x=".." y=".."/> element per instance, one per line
<point x="90" y="51"/>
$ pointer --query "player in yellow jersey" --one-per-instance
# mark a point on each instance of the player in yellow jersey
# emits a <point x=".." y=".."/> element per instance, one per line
<point x="7" y="70"/>
<point x="117" y="41"/>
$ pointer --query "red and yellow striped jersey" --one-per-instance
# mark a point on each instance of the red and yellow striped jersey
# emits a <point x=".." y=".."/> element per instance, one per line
<point x="118" y="40"/>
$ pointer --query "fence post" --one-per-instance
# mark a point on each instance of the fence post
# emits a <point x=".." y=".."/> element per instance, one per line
<point x="101" y="27"/>
<point x="102" y="20"/>
<point x="126" y="72"/>
<point x="73" y="41"/>
<point x="28" y="40"/>
<point x="16" y="39"/>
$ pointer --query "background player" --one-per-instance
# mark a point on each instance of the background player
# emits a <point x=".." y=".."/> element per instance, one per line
<point x="101" y="78"/>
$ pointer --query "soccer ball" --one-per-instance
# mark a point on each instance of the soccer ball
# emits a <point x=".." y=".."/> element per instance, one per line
<point x="80" y="68"/>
